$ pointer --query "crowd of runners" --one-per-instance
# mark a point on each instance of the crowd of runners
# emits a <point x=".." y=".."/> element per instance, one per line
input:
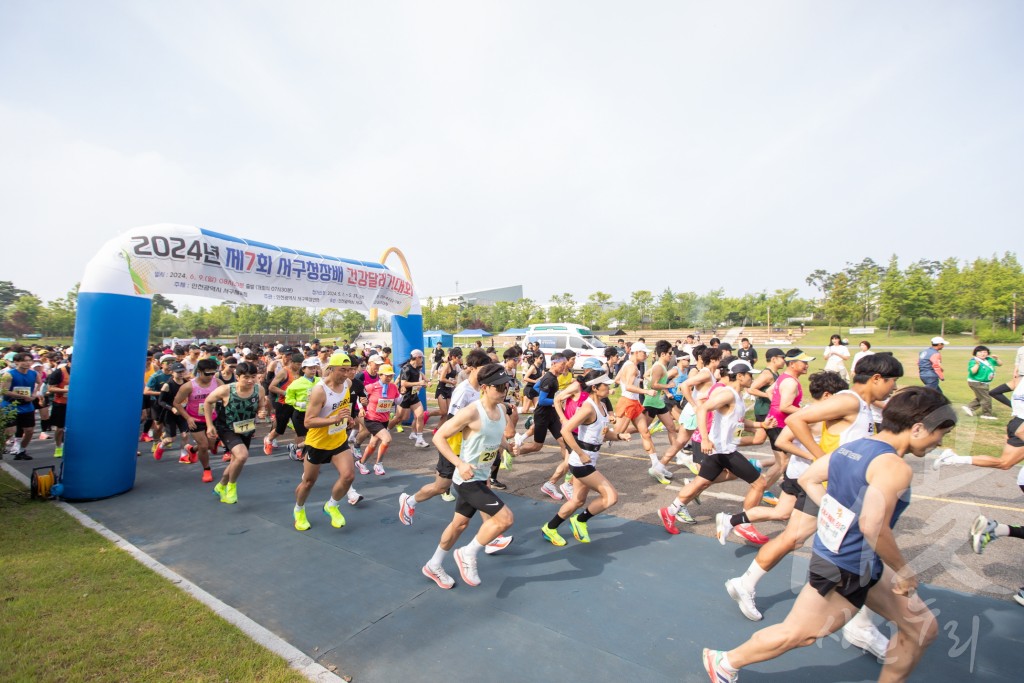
<point x="837" y="460"/>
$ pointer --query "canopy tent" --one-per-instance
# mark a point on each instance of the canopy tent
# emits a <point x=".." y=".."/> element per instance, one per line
<point x="432" y="337"/>
<point x="618" y="332"/>
<point x="470" y="332"/>
<point x="514" y="332"/>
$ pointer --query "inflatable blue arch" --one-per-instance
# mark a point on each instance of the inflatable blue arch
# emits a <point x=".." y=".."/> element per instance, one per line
<point x="112" y="326"/>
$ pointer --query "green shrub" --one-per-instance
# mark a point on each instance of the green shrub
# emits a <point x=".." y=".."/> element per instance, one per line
<point x="999" y="337"/>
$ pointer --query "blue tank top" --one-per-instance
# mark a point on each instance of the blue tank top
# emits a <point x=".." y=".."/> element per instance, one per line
<point x="924" y="363"/>
<point x="847" y="483"/>
<point x="24" y="384"/>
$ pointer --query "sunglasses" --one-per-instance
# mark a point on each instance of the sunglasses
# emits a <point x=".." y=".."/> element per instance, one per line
<point x="209" y="374"/>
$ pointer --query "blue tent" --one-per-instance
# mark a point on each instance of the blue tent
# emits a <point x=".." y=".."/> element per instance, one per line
<point x="431" y="337"/>
<point x="514" y="332"/>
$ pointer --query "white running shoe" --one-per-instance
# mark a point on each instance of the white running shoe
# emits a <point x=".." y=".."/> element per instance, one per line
<point x="723" y="526"/>
<point x="420" y="443"/>
<point x="362" y="468"/>
<point x="378" y="469"/>
<point x="869" y="639"/>
<point x="658" y="476"/>
<point x="439" y="576"/>
<point x="744" y="599"/>
<point x="566" y="489"/>
<point x="405" y="513"/>
<point x="467" y="567"/>
<point x="551" y="490"/>
<point x="500" y="543"/>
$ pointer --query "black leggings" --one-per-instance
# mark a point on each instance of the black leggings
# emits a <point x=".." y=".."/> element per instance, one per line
<point x="999" y="394"/>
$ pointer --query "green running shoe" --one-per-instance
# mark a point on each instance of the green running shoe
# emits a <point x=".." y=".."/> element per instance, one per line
<point x="552" y="535"/>
<point x="337" y="519"/>
<point x="448" y="497"/>
<point x="506" y="461"/>
<point x="579" y="529"/>
<point x="230" y="494"/>
<point x="58" y="452"/>
<point x="301" y="523"/>
<point x="218" y="490"/>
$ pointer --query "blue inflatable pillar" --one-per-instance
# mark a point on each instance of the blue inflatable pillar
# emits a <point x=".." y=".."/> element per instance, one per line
<point x="406" y="335"/>
<point x="105" y="395"/>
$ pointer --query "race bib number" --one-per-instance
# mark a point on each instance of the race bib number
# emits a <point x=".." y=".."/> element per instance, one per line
<point x="385" y="405"/>
<point x="243" y="426"/>
<point x="336" y="429"/>
<point x="834" y="521"/>
<point x="489" y="455"/>
<point x="202" y="409"/>
<point x="22" y="391"/>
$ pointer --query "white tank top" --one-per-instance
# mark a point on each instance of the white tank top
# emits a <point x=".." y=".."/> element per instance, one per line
<point x="724" y="427"/>
<point x="632" y="394"/>
<point x="481" y="448"/>
<point x="862" y="426"/>
<point x="591" y="434"/>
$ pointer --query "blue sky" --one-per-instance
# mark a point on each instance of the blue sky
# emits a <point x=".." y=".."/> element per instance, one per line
<point x="570" y="146"/>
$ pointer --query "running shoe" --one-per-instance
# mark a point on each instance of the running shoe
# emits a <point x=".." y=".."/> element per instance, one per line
<point x="1019" y="596"/>
<point x="268" y="447"/>
<point x="658" y="476"/>
<point x="291" y="452"/>
<point x="438" y="576"/>
<point x="967" y="410"/>
<point x="362" y="468"/>
<point x="550" y="490"/>
<point x="301" y="523"/>
<point x="354" y="499"/>
<point x="495" y="484"/>
<point x="58" y="452"/>
<point x="156" y="445"/>
<point x="714" y="668"/>
<point x="420" y="443"/>
<point x="552" y="535"/>
<point x="378" y="469"/>
<point x="185" y="458"/>
<point x="743" y="598"/>
<point x="723" y="526"/>
<point x="405" y="513"/>
<point x="519" y="439"/>
<point x="868" y="638"/>
<point x="226" y="457"/>
<point x="219" y="490"/>
<point x="657" y="428"/>
<point x="467" y="567"/>
<point x="275" y="444"/>
<point x="568" y="477"/>
<point x="989" y="417"/>
<point x="579" y="529"/>
<point x="412" y="435"/>
<point x="683" y="459"/>
<point x="527" y="424"/>
<point x="748" y="532"/>
<point x="399" y="429"/>
<point x="22" y="455"/>
<point x="982" y="533"/>
<point x="332" y="511"/>
<point x="448" y="496"/>
<point x="207" y="477"/>
<point x="506" y="461"/>
<point x="566" y="489"/>
<point x="684" y="516"/>
<point x="146" y="438"/>
<point x="668" y="521"/>
<point x="769" y="499"/>
<point x="230" y="496"/>
<point x="500" y="543"/>
<point x="193" y="453"/>
<point x="357" y="452"/>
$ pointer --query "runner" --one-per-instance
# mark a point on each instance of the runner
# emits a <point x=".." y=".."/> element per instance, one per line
<point x="629" y="410"/>
<point x="591" y="420"/>
<point x="234" y="425"/>
<point x="481" y="426"/>
<point x="410" y="382"/>
<point x="173" y="418"/>
<point x="380" y="404"/>
<point x="278" y="389"/>
<point x="19" y="388"/>
<point x="720" y="443"/>
<point x="695" y="390"/>
<point x="660" y="378"/>
<point x="856" y="560"/>
<point x="531" y="376"/>
<point x="786" y="397"/>
<point x="545" y="421"/>
<point x="327" y="419"/>
<point x="59" y="381"/>
<point x="190" y="404"/>
<point x="297" y="396"/>
<point x="446" y="375"/>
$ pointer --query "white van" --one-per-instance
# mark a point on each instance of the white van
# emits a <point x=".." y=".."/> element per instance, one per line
<point x="554" y="337"/>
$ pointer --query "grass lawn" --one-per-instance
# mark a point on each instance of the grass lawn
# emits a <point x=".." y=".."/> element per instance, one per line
<point x="77" y="608"/>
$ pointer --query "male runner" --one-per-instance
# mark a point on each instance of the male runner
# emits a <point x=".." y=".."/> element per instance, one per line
<point x="234" y="425"/>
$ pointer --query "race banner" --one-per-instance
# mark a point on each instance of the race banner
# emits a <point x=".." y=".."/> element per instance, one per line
<point x="182" y="259"/>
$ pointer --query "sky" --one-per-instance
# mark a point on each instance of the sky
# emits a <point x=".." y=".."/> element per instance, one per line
<point x="569" y="146"/>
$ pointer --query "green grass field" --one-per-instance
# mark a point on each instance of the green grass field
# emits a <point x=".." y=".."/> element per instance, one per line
<point x="77" y="608"/>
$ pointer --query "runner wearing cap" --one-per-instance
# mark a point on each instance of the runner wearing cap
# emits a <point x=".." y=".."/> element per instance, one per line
<point x="695" y="390"/>
<point x="328" y="418"/>
<point x="786" y="397"/>
<point x="297" y="396"/>
<point x="856" y="560"/>
<point x="190" y="404"/>
<point x="481" y="426"/>
<point x="629" y="410"/>
<point x="410" y="382"/>
<point x="278" y="390"/>
<point x="584" y="433"/>
<point x="236" y="406"/>
<point x="545" y="422"/>
<point x="381" y="398"/>
<point x="720" y="444"/>
<point x="929" y="364"/>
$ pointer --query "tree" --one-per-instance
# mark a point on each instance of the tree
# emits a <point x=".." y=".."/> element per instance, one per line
<point x="251" y="318"/>
<point x="841" y="304"/>
<point x="917" y="293"/>
<point x="665" y="313"/>
<point x="563" y="308"/>
<point x="948" y="286"/>
<point x="23" y="315"/>
<point x="9" y="294"/>
<point x="891" y="293"/>
<point x="642" y="302"/>
<point x="866" y="277"/>
<point x="351" y="323"/>
<point x="525" y="312"/>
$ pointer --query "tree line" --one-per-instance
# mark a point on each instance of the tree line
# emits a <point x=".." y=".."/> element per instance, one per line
<point x="925" y="296"/>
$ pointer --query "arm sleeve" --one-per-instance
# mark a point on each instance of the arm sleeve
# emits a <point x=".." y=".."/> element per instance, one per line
<point x="543" y="398"/>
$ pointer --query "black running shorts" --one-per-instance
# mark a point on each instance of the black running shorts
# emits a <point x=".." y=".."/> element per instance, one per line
<point x="734" y="462"/>
<point x="545" y="421"/>
<point x="316" y="456"/>
<point x="476" y="495"/>
<point x="445" y="469"/>
<point x="282" y="415"/>
<point x="230" y="439"/>
<point x="825" y="577"/>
